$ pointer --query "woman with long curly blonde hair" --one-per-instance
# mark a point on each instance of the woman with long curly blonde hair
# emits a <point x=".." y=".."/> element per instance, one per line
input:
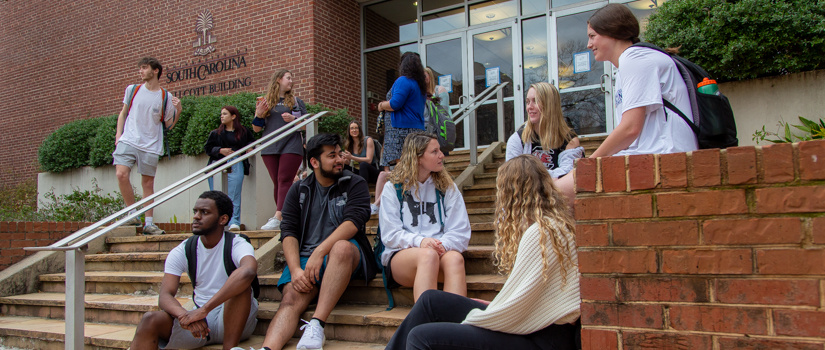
<point x="275" y="109"/>
<point x="536" y="249"/>
<point x="426" y="231"/>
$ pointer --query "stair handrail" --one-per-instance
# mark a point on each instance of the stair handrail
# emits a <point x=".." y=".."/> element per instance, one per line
<point x="74" y="314"/>
<point x="469" y="109"/>
<point x="210" y="169"/>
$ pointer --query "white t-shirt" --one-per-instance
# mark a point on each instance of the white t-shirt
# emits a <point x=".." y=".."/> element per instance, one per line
<point x="643" y="78"/>
<point x="143" y="129"/>
<point x="211" y="272"/>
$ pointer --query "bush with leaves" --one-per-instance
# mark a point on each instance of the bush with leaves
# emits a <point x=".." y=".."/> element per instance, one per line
<point x="811" y="130"/>
<point x="19" y="202"/>
<point x="743" y="39"/>
<point x="80" y="205"/>
<point x="103" y="143"/>
<point x="204" y="115"/>
<point x="336" y="121"/>
<point x="69" y="146"/>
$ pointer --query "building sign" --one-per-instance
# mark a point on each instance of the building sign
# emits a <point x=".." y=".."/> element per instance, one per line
<point x="203" y="26"/>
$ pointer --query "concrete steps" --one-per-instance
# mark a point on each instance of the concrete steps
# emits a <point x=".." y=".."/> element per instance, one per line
<point x="122" y="282"/>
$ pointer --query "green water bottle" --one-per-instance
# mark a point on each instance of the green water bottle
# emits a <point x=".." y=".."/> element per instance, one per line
<point x="708" y="86"/>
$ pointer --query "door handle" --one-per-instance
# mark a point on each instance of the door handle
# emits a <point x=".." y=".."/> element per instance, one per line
<point x="604" y="79"/>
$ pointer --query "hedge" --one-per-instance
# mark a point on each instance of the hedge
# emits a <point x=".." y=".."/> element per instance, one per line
<point x="90" y="142"/>
<point x="743" y="39"/>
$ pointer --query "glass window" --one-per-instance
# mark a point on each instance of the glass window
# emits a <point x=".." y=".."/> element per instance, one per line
<point x="560" y="3"/>
<point x="389" y="22"/>
<point x="382" y="70"/>
<point x="642" y="9"/>
<point x="492" y="11"/>
<point x="444" y="58"/>
<point x="572" y="40"/>
<point x="444" y="21"/>
<point x="529" y="7"/>
<point x="427" y="5"/>
<point x="534" y="51"/>
<point x="585" y="110"/>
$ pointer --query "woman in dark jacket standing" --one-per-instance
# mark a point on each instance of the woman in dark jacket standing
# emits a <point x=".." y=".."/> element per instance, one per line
<point x="227" y="138"/>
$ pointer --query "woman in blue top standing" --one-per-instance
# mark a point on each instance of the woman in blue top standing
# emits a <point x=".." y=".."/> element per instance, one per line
<point x="406" y="104"/>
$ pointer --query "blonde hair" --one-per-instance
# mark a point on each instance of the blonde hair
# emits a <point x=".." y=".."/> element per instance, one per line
<point x="553" y="130"/>
<point x="525" y="195"/>
<point x="406" y="171"/>
<point x="431" y="83"/>
<point x="273" y="96"/>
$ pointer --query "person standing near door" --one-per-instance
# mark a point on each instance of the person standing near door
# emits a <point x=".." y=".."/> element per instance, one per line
<point x="406" y="104"/>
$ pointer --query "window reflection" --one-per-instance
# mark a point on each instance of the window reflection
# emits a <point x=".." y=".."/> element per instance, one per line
<point x="492" y="11"/>
<point x="529" y="7"/>
<point x="585" y="110"/>
<point x="389" y="22"/>
<point x="428" y="5"/>
<point x="534" y="51"/>
<point x="572" y="40"/>
<point x="444" y="21"/>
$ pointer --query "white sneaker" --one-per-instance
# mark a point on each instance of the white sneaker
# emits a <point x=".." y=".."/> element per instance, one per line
<point x="272" y="224"/>
<point x="313" y="337"/>
<point x="234" y="227"/>
<point x="373" y="209"/>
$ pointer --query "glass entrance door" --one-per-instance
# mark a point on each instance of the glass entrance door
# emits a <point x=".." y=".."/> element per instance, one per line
<point x="493" y="51"/>
<point x="446" y="56"/>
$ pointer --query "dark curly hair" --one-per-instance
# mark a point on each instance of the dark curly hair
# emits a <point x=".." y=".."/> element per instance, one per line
<point x="412" y="68"/>
<point x="222" y="201"/>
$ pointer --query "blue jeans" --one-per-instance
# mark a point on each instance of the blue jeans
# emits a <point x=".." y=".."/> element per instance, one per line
<point x="234" y="187"/>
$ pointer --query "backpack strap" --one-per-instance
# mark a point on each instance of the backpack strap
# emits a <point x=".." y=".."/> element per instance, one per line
<point x="229" y="264"/>
<point x="191" y="250"/>
<point x="132" y="94"/>
<point x="439" y="198"/>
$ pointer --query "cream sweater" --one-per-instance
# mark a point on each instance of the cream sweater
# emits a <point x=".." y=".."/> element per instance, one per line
<point x="527" y="303"/>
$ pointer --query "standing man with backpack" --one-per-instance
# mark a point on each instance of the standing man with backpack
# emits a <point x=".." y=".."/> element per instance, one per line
<point x="324" y="243"/>
<point x="225" y="311"/>
<point x="147" y="110"/>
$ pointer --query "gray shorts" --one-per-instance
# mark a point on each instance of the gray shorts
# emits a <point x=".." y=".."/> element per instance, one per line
<point x="125" y="154"/>
<point x="183" y="339"/>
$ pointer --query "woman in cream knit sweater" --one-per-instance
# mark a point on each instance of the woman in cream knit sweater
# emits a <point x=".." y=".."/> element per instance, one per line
<point x="539" y="301"/>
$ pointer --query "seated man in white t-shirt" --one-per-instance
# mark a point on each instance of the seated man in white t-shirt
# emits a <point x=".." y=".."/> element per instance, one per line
<point x="225" y="311"/>
<point x="644" y="78"/>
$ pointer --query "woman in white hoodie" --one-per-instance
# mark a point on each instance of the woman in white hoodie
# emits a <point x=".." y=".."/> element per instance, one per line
<point x="426" y="231"/>
<point x="535" y="247"/>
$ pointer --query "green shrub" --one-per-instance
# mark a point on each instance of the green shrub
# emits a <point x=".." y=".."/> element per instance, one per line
<point x="736" y="40"/>
<point x="811" y="130"/>
<point x="103" y="143"/>
<point x="87" y="205"/>
<point x="68" y="147"/>
<point x="19" y="202"/>
<point x="204" y="116"/>
<point x="336" y="121"/>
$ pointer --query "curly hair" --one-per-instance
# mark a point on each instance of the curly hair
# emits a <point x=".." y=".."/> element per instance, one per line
<point x="412" y="68"/>
<point x="406" y="171"/>
<point x="553" y="130"/>
<point x="525" y="195"/>
<point x="273" y="95"/>
<point x="222" y="202"/>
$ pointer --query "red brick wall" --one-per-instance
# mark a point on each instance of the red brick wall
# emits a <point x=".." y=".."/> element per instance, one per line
<point x="16" y="235"/>
<point x="72" y="60"/>
<point x="709" y="249"/>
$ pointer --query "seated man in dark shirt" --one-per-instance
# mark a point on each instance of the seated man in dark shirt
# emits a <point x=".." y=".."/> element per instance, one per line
<point x="324" y="243"/>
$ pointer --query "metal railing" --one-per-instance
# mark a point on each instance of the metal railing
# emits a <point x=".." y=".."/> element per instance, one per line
<point x="469" y="111"/>
<point x="75" y="245"/>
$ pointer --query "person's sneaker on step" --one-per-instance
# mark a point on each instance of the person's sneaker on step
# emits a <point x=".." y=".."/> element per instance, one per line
<point x="234" y="227"/>
<point x="152" y="230"/>
<point x="272" y="224"/>
<point x="135" y="221"/>
<point x="373" y="209"/>
<point x="313" y="337"/>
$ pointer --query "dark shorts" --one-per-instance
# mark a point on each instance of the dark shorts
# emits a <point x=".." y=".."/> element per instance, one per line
<point x="286" y="276"/>
<point x="391" y="283"/>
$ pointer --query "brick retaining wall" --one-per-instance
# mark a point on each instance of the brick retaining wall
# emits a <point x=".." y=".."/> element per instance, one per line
<point x="713" y="249"/>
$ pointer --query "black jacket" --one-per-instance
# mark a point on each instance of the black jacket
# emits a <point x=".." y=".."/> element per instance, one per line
<point x="215" y="142"/>
<point x="357" y="210"/>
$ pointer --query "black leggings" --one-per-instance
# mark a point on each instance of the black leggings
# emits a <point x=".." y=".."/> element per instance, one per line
<point x="435" y="323"/>
<point x="367" y="171"/>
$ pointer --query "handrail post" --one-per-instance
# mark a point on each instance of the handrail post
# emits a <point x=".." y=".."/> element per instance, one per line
<point x="500" y="112"/>
<point x="75" y="298"/>
<point x="473" y="139"/>
<point x="312" y="129"/>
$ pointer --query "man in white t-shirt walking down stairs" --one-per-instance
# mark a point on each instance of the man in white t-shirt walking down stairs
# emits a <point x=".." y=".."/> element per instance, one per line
<point x="147" y="110"/>
<point x="225" y="311"/>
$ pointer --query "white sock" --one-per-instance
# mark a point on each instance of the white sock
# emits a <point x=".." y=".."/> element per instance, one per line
<point x="148" y="220"/>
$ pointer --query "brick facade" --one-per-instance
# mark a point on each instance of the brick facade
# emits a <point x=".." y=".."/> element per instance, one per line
<point x="713" y="249"/>
<point x="73" y="60"/>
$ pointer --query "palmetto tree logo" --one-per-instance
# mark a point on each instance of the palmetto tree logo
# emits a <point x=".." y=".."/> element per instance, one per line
<point x="203" y="26"/>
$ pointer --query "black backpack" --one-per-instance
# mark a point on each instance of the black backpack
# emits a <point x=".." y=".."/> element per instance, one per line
<point x="191" y="249"/>
<point x="715" y="126"/>
<point x="438" y="122"/>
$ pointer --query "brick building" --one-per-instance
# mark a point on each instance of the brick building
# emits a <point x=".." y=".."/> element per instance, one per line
<point x="69" y="61"/>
